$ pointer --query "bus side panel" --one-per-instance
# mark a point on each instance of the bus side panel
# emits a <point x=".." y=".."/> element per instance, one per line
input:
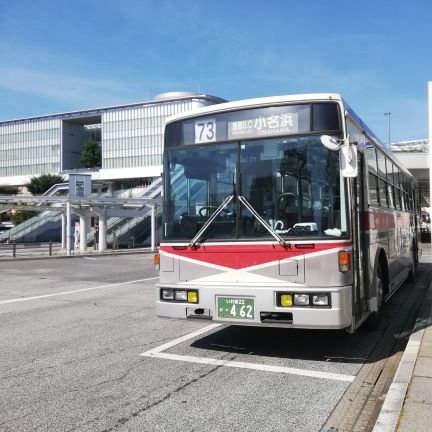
<point x="391" y="232"/>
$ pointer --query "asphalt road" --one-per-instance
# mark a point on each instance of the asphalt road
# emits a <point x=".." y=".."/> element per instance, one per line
<point x="82" y="350"/>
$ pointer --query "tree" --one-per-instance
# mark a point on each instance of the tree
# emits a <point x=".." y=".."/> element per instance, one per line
<point x="20" y="216"/>
<point x="91" y="155"/>
<point x="8" y="190"/>
<point x="39" y="185"/>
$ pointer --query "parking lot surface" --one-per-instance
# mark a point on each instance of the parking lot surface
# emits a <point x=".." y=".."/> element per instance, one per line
<point x="82" y="350"/>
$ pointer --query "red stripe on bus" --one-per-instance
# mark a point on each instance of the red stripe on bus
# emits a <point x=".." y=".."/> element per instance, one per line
<point x="242" y="255"/>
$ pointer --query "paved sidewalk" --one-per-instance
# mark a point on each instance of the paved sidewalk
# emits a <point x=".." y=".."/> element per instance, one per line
<point x="408" y="404"/>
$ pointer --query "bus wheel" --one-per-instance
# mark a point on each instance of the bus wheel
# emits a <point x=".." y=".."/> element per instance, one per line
<point x="374" y="318"/>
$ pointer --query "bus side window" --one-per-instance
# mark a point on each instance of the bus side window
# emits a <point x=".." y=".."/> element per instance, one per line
<point x="373" y="189"/>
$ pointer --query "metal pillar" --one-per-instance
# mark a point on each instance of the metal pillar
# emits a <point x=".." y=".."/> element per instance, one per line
<point x="102" y="228"/>
<point x="83" y="232"/>
<point x="153" y="227"/>
<point x="69" y="242"/>
<point x="110" y="189"/>
<point x="63" y="231"/>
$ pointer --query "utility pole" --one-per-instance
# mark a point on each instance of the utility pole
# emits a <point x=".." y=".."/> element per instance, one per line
<point x="430" y="144"/>
<point x="388" y="115"/>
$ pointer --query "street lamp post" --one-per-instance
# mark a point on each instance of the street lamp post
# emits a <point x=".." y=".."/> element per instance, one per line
<point x="388" y="115"/>
<point x="430" y="143"/>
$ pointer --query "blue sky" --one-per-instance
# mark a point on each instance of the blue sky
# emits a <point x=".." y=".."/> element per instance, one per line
<point x="58" y="56"/>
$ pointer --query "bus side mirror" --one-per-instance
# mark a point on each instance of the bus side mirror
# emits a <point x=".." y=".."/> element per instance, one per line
<point x="348" y="160"/>
<point x="347" y="154"/>
<point x="330" y="142"/>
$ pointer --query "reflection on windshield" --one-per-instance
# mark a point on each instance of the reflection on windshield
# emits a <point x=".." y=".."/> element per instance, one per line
<point x="293" y="185"/>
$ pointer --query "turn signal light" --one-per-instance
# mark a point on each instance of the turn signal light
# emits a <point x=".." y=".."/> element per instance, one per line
<point x="156" y="261"/>
<point x="344" y="261"/>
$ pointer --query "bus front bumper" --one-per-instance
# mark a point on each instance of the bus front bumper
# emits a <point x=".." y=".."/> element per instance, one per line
<point x="261" y="307"/>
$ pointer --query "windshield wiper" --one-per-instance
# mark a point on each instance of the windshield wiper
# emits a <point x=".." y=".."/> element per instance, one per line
<point x="246" y="203"/>
<point x="216" y="213"/>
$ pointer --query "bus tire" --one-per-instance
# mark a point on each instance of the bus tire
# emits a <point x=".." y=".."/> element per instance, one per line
<point x="374" y="319"/>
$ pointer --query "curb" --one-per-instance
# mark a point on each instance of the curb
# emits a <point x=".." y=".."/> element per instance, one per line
<point x="108" y="252"/>
<point x="391" y="410"/>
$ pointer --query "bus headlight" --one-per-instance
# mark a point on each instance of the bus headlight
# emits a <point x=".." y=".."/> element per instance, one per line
<point x="167" y="294"/>
<point x="180" y="295"/>
<point x="320" y="300"/>
<point x="301" y="299"/>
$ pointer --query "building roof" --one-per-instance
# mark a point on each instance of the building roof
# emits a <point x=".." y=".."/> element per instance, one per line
<point x="159" y="99"/>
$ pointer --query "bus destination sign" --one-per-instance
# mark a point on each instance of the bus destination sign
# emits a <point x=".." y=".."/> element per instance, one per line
<point x="251" y="123"/>
<point x="276" y="124"/>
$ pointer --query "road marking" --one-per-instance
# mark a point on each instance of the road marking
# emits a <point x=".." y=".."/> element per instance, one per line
<point x="22" y="299"/>
<point x="182" y="339"/>
<point x="158" y="353"/>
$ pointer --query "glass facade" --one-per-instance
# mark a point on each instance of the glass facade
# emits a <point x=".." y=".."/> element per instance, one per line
<point x="30" y="148"/>
<point x="131" y="136"/>
<point x="134" y="137"/>
<point x="93" y="132"/>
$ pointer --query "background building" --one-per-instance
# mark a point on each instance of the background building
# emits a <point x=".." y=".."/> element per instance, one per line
<point x="125" y="181"/>
<point x="415" y="156"/>
<point x="130" y="137"/>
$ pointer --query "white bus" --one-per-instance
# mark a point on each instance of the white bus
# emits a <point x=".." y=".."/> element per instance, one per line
<point x="283" y="211"/>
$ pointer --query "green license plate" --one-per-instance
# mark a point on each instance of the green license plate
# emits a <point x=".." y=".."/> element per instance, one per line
<point x="236" y="307"/>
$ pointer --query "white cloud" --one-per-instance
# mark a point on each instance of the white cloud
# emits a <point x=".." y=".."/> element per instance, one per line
<point x="63" y="87"/>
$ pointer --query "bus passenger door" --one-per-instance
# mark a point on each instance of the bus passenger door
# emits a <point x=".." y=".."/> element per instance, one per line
<point x="360" y="247"/>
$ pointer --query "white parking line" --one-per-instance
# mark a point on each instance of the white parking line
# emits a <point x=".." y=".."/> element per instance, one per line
<point x="158" y="353"/>
<point x="22" y="299"/>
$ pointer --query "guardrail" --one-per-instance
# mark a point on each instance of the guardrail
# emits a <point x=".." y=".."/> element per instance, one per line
<point x="14" y="249"/>
<point x="50" y="249"/>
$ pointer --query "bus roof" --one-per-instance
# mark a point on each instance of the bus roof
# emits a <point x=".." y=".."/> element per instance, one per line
<point x="279" y="100"/>
<point x="251" y="103"/>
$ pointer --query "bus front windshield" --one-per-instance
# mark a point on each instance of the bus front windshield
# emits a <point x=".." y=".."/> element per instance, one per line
<point x="289" y="186"/>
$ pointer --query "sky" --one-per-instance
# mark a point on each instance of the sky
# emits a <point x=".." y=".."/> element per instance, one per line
<point x="58" y="56"/>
